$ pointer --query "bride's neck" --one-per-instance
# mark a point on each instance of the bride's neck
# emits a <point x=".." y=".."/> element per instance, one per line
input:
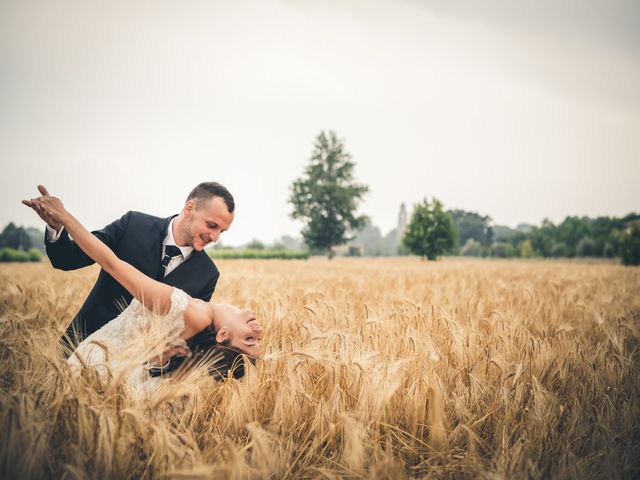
<point x="212" y="312"/>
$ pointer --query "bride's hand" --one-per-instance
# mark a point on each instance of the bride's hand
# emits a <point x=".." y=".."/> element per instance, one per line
<point x="49" y="208"/>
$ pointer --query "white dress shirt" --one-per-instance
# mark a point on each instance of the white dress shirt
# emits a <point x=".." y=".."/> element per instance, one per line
<point x="53" y="236"/>
<point x="175" y="261"/>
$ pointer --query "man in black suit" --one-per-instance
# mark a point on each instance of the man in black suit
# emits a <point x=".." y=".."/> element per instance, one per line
<point x="170" y="250"/>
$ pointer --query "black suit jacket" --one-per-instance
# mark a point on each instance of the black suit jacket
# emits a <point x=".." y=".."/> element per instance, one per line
<point x="137" y="239"/>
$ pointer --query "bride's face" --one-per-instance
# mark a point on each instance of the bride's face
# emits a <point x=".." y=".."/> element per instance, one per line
<point x="240" y="327"/>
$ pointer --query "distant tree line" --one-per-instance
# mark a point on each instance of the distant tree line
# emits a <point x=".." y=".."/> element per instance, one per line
<point x="432" y="232"/>
<point x="17" y="244"/>
<point x="256" y="253"/>
<point x="286" y="248"/>
<point x="326" y="198"/>
<point x="605" y="237"/>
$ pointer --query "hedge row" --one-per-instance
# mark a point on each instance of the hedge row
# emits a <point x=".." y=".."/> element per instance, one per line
<point x="12" y="255"/>
<point x="263" y="254"/>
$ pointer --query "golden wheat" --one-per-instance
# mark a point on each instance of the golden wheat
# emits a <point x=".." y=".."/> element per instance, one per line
<point x="385" y="368"/>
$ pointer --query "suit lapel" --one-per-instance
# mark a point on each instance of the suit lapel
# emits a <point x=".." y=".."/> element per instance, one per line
<point x="179" y="268"/>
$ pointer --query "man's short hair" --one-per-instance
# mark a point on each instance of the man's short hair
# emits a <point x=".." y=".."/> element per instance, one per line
<point x="207" y="190"/>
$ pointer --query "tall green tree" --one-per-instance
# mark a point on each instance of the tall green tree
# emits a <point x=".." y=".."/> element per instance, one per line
<point x="15" y="237"/>
<point x="431" y="231"/>
<point x="327" y="196"/>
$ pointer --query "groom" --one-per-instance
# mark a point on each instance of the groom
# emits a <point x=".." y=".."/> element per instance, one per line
<point x="167" y="249"/>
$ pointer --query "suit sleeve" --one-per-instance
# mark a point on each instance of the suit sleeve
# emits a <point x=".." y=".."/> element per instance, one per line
<point x="64" y="254"/>
<point x="207" y="291"/>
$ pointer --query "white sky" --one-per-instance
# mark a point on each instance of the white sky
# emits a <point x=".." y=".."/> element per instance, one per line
<point x="520" y="110"/>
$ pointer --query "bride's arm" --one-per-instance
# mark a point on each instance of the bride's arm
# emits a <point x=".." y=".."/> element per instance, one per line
<point x="152" y="294"/>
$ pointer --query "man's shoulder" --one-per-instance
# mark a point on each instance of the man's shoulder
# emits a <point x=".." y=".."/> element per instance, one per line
<point x="143" y="217"/>
<point x="141" y="227"/>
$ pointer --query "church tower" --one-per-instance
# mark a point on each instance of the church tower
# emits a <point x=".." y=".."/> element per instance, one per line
<point x="402" y="222"/>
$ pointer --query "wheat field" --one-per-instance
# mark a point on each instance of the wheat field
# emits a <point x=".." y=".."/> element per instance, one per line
<point x="374" y="368"/>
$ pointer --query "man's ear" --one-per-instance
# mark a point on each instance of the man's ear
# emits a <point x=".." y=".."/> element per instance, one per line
<point x="222" y="335"/>
<point x="190" y="206"/>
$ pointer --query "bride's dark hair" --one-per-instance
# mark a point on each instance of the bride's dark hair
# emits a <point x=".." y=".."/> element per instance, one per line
<point x="220" y="359"/>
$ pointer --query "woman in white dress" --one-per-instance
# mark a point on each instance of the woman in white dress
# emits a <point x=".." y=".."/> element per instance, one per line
<point x="157" y="323"/>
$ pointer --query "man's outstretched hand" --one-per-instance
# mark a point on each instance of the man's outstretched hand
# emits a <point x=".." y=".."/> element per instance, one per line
<point x="39" y="205"/>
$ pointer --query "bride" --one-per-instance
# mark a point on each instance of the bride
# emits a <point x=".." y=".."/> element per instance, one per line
<point x="155" y="326"/>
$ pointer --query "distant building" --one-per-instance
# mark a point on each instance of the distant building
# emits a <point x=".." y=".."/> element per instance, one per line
<point x="402" y="221"/>
<point x="400" y="229"/>
<point x="371" y="243"/>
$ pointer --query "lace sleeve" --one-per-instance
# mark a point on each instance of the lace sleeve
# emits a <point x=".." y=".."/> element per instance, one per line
<point x="173" y="321"/>
<point x="179" y="302"/>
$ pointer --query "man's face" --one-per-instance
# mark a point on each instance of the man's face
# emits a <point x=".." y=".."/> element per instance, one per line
<point x="205" y="224"/>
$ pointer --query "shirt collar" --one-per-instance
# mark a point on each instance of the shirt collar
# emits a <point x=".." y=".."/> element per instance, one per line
<point x="169" y="240"/>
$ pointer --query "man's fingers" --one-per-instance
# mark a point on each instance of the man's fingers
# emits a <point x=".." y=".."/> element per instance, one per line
<point x="35" y="203"/>
<point x="34" y="206"/>
<point x="38" y="206"/>
<point x="42" y="202"/>
<point x="43" y="190"/>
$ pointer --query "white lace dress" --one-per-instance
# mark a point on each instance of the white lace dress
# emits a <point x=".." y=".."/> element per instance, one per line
<point x="121" y="347"/>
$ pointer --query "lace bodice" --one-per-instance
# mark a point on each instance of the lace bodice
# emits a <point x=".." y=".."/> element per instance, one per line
<point x="132" y="337"/>
<point x="136" y="319"/>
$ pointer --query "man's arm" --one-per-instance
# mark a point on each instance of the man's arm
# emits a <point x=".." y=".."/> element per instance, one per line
<point x="154" y="295"/>
<point x="65" y="254"/>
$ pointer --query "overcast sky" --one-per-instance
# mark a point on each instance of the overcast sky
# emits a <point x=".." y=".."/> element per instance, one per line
<point x="517" y="109"/>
